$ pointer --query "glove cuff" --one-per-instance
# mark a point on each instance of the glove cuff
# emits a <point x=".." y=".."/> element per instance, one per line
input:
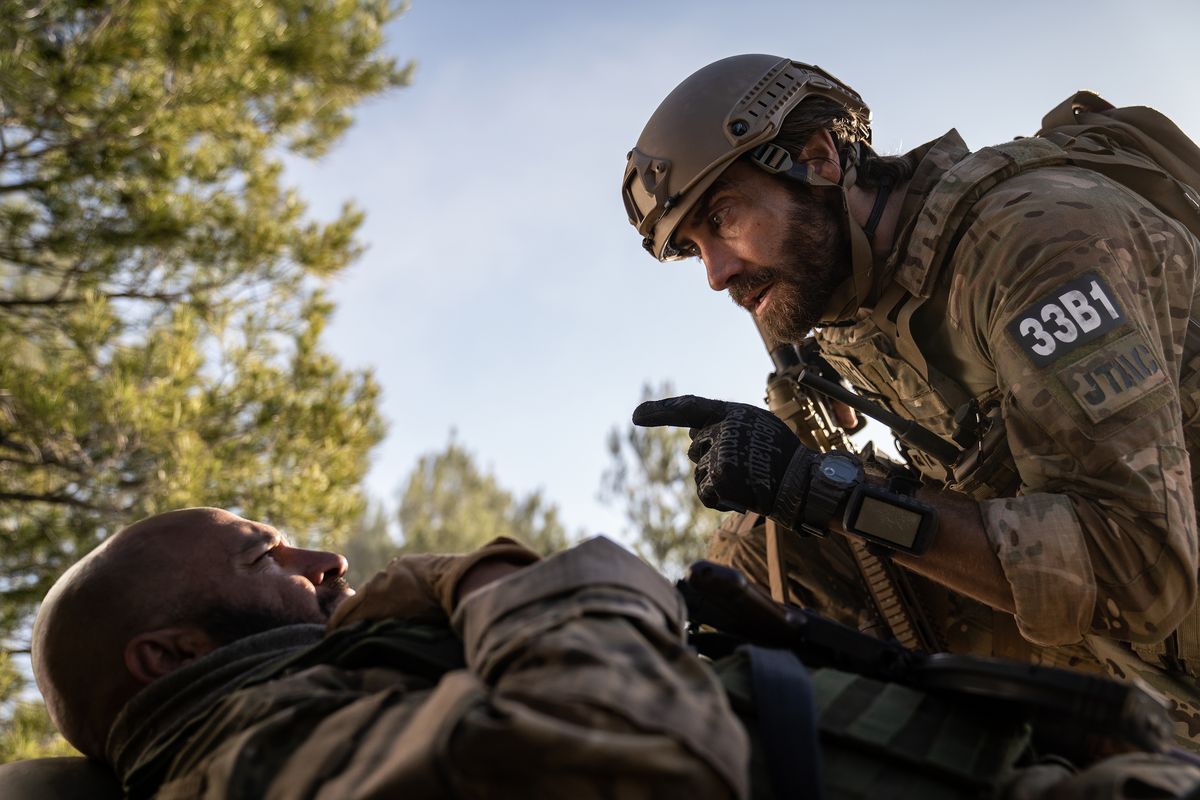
<point x="793" y="489"/>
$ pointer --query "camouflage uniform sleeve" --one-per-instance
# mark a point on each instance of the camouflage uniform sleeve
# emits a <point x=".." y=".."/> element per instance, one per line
<point x="1122" y="777"/>
<point x="1079" y="296"/>
<point x="579" y="684"/>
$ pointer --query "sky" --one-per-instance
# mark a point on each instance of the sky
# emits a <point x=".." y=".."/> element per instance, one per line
<point x="504" y="296"/>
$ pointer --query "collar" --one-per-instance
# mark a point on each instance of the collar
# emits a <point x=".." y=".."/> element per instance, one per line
<point x="931" y="161"/>
<point x="155" y="716"/>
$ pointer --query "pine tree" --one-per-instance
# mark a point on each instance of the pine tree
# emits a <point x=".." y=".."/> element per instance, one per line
<point x="650" y="479"/>
<point x="161" y="299"/>
<point x="449" y="505"/>
<point x="369" y="545"/>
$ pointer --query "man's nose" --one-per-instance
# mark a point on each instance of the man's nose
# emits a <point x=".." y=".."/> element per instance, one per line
<point x="318" y="566"/>
<point x="721" y="264"/>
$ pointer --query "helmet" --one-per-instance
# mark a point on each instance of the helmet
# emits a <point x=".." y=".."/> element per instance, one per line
<point x="728" y="108"/>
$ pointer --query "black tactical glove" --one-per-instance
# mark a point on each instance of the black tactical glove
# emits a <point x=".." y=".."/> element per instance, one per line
<point x="746" y="458"/>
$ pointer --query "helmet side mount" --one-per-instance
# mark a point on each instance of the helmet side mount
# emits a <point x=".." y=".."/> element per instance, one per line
<point x="778" y="161"/>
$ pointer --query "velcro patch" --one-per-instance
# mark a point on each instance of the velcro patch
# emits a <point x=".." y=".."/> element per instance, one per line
<point x="1113" y="377"/>
<point x="1066" y="319"/>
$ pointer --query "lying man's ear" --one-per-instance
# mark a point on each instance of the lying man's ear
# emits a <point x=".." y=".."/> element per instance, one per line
<point x="151" y="655"/>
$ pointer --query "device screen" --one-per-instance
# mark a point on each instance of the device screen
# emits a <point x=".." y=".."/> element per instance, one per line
<point x="887" y="522"/>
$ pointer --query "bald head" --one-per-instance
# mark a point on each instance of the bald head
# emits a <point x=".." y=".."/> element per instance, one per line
<point x="159" y="594"/>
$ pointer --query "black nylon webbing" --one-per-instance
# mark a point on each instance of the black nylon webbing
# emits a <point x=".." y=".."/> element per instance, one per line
<point x="787" y="721"/>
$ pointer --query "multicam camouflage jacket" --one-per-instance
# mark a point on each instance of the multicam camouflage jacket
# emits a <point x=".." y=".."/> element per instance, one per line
<point x="569" y="679"/>
<point x="572" y="680"/>
<point x="1057" y="304"/>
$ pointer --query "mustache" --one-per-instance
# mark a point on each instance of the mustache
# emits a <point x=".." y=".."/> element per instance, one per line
<point x="743" y="288"/>
<point x="333" y="592"/>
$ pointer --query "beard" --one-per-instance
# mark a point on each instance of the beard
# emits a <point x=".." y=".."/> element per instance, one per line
<point x="226" y="623"/>
<point x="814" y="259"/>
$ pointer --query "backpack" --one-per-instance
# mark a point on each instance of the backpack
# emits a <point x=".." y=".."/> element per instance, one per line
<point x="1134" y="146"/>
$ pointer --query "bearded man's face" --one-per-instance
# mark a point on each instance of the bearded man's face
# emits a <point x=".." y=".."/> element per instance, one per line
<point x="779" y="250"/>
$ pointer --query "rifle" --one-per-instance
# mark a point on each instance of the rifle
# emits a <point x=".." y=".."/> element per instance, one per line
<point x="1075" y="714"/>
<point x="800" y="393"/>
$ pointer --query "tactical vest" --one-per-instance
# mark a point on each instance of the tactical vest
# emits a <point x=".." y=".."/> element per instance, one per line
<point x="877" y="354"/>
<point x="964" y="731"/>
<point x="867" y="357"/>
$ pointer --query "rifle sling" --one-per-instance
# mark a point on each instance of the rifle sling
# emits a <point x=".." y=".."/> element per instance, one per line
<point x="895" y="599"/>
<point x="800" y="407"/>
<point x="776" y="563"/>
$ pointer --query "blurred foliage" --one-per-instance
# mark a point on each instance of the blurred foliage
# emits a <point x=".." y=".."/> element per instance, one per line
<point x="25" y="728"/>
<point x="650" y="479"/>
<point x="369" y="545"/>
<point x="450" y="505"/>
<point x="161" y="295"/>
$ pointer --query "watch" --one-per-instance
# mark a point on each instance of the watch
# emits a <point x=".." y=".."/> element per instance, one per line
<point x="890" y="517"/>
<point x="830" y="483"/>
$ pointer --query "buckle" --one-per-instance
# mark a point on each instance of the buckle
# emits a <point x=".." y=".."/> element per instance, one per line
<point x="772" y="158"/>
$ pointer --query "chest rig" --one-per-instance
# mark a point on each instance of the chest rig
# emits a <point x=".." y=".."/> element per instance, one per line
<point x="867" y="357"/>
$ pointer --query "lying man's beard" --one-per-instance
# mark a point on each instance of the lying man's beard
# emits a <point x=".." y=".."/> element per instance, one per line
<point x="226" y="623"/>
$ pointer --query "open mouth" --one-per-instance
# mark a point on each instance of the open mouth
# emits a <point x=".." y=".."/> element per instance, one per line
<point x="752" y="293"/>
<point x="759" y="300"/>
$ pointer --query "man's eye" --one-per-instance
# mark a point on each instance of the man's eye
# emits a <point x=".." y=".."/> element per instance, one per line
<point x="266" y="554"/>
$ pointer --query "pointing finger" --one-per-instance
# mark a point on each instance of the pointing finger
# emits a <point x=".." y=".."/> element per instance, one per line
<point x="688" y="411"/>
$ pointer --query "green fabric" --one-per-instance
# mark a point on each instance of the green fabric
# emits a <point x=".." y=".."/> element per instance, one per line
<point x="887" y="740"/>
<point x="888" y="714"/>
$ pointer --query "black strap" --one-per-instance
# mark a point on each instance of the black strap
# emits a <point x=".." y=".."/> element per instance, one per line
<point x="881" y="198"/>
<point x="787" y="722"/>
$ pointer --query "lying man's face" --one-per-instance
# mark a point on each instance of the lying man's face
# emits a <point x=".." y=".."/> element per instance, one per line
<point x="253" y="580"/>
<point x="161" y="593"/>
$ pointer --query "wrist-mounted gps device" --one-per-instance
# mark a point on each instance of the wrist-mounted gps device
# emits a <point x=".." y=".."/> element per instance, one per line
<point x="889" y="515"/>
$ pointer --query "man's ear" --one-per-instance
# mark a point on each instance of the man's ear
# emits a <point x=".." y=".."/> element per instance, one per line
<point x="822" y="154"/>
<point x="151" y="655"/>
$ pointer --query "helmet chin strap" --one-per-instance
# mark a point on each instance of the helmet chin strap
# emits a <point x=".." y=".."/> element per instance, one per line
<point x="859" y="287"/>
<point x="862" y="258"/>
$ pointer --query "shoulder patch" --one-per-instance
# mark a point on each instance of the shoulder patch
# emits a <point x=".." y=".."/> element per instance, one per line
<point x="1113" y="377"/>
<point x="1080" y="311"/>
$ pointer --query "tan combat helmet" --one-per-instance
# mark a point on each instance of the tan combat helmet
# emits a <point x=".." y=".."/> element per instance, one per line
<point x="729" y="108"/>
